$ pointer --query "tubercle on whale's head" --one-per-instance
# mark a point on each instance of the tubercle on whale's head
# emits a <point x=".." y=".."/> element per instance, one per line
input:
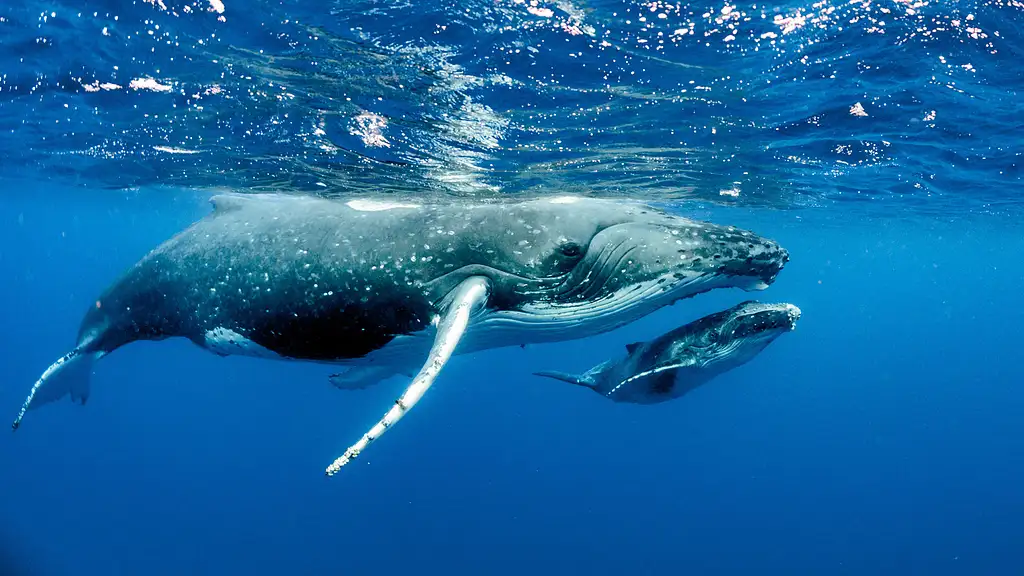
<point x="752" y="318"/>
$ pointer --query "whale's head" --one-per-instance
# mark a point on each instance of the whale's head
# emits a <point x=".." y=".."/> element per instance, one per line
<point x="579" y="266"/>
<point x="732" y="337"/>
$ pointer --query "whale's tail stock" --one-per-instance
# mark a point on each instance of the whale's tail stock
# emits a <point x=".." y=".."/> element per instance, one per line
<point x="576" y="379"/>
<point x="68" y="375"/>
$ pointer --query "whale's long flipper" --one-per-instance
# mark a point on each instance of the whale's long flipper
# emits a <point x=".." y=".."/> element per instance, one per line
<point x="467" y="298"/>
<point x="68" y="375"/>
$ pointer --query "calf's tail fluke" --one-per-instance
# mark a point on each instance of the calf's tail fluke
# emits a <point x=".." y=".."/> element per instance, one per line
<point x="68" y="375"/>
<point x="565" y="377"/>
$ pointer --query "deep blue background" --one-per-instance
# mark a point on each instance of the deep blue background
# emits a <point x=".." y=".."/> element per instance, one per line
<point x="883" y="436"/>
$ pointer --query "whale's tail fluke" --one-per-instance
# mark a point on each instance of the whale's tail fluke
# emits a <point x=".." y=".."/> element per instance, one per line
<point x="579" y="380"/>
<point x="588" y="379"/>
<point x="68" y="375"/>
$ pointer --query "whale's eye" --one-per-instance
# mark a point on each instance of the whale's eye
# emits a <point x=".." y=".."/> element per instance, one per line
<point x="713" y="336"/>
<point x="570" y="249"/>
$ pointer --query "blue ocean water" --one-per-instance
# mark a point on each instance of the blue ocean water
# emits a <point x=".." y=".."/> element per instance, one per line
<point x="879" y="142"/>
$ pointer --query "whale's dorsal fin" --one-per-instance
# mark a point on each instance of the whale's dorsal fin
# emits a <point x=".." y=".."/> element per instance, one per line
<point x="227" y="202"/>
<point x="631" y="347"/>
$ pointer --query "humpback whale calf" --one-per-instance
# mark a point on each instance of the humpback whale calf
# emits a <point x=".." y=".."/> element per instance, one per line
<point x="680" y="360"/>
<point x="385" y="288"/>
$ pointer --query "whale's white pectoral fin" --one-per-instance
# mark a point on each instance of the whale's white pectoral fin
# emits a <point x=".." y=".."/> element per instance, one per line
<point x="468" y="297"/>
<point x="68" y="375"/>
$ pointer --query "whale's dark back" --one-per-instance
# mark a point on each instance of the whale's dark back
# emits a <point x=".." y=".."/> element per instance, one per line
<point x="303" y="285"/>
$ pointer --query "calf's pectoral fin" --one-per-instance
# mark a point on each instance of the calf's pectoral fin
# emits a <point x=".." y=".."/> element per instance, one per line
<point x="68" y="375"/>
<point x="663" y="379"/>
<point x="360" y="377"/>
<point x="468" y="297"/>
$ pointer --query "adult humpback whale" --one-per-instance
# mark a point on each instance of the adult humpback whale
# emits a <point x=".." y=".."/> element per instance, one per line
<point x="378" y="287"/>
<point x="682" y="359"/>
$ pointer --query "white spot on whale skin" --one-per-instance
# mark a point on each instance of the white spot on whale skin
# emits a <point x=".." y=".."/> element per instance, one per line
<point x="377" y="205"/>
<point x="564" y="200"/>
<point x="230" y="343"/>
